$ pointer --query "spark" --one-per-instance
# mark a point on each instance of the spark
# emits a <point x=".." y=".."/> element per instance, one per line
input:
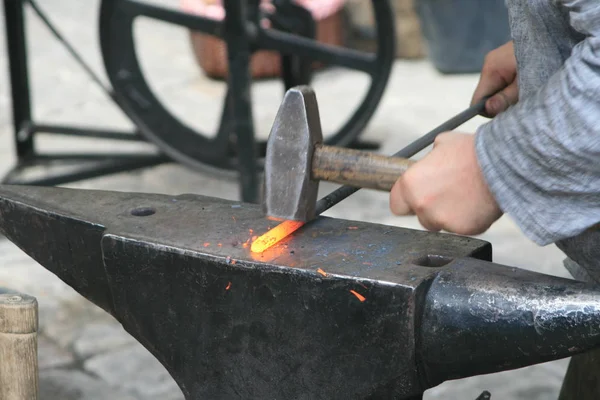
<point x="353" y="228"/>
<point x="228" y="286"/>
<point x="319" y="270"/>
<point x="358" y="295"/>
<point x="206" y="244"/>
<point x="275" y="235"/>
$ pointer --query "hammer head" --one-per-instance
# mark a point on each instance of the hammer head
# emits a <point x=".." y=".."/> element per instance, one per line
<point x="289" y="192"/>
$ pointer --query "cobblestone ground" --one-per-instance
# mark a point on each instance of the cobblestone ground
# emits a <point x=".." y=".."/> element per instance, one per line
<point x="84" y="353"/>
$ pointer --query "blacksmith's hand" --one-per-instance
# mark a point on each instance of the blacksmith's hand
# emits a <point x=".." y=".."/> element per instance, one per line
<point x="446" y="189"/>
<point x="498" y="75"/>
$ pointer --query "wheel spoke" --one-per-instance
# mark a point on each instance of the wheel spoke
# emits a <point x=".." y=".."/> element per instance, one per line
<point x="271" y="39"/>
<point x="190" y="21"/>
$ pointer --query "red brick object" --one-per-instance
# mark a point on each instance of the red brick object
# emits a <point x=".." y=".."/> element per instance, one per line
<point x="211" y="53"/>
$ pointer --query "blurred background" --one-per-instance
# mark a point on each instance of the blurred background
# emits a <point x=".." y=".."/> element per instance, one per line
<point x="434" y="63"/>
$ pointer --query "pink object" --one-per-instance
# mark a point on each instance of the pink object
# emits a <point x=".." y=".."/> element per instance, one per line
<point x="213" y="9"/>
<point x="211" y="52"/>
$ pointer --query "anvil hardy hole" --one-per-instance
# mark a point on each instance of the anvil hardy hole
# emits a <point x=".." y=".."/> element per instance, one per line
<point x="432" y="260"/>
<point x="143" y="211"/>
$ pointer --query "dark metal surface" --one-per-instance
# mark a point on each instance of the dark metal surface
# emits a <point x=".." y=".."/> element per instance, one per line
<point x="289" y="190"/>
<point x="292" y="18"/>
<point x="239" y="42"/>
<point x="16" y="44"/>
<point x="341" y="309"/>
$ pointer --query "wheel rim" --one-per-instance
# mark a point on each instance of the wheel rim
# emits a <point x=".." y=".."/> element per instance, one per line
<point x="189" y="146"/>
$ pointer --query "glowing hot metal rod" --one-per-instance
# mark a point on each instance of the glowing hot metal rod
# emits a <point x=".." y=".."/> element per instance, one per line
<point x="296" y="161"/>
<point x="275" y="235"/>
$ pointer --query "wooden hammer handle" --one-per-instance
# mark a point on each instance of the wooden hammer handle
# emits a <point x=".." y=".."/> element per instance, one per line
<point x="357" y="168"/>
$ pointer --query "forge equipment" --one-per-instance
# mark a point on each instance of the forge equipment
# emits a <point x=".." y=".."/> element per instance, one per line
<point x="339" y="310"/>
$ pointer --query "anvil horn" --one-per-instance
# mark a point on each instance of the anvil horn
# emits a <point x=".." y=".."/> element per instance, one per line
<point x="340" y="309"/>
<point x="501" y="319"/>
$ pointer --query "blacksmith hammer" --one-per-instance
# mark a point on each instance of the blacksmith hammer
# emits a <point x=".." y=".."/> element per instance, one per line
<point x="296" y="160"/>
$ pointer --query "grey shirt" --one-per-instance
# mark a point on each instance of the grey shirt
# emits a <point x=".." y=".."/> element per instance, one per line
<point x="541" y="157"/>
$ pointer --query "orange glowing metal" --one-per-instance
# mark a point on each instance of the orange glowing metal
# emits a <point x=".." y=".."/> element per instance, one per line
<point x="319" y="270"/>
<point x="228" y="286"/>
<point x="358" y="295"/>
<point x="275" y="235"/>
<point x="206" y="244"/>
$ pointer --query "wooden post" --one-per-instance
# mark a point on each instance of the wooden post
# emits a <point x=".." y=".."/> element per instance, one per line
<point x="18" y="346"/>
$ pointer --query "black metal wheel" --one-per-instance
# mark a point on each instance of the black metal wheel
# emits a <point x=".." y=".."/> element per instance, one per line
<point x="231" y="149"/>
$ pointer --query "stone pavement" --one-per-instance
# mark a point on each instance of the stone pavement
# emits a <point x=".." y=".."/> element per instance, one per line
<point x="84" y="353"/>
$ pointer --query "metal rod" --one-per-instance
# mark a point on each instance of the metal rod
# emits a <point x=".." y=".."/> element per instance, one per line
<point x="93" y="171"/>
<point x="19" y="75"/>
<point x="343" y="192"/>
<point x="78" y="58"/>
<point x="240" y="80"/>
<point x="70" y="157"/>
<point x="87" y="132"/>
<point x="194" y="22"/>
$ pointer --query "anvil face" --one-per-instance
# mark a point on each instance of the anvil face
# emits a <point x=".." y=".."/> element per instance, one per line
<point x="338" y="310"/>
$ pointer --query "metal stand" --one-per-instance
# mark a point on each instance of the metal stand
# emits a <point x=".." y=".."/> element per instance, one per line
<point x="81" y="166"/>
<point x="238" y="55"/>
<point x="234" y="148"/>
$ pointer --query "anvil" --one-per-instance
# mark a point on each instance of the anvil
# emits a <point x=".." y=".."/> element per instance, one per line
<point x="339" y="310"/>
